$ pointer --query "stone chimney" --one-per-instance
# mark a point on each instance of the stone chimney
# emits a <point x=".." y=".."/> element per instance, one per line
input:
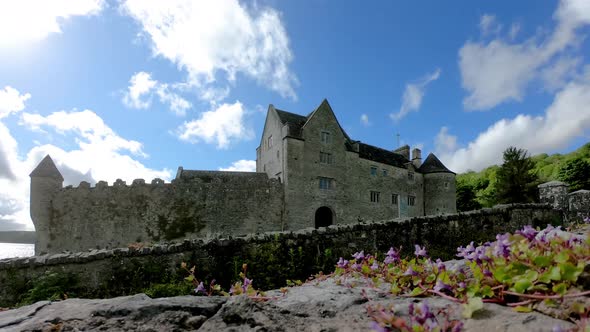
<point x="416" y="157"/>
<point x="404" y="151"/>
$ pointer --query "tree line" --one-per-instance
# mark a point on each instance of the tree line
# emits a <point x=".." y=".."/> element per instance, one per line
<point x="516" y="180"/>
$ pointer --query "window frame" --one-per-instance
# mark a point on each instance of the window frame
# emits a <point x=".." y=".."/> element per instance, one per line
<point x="374" y="170"/>
<point x="374" y="196"/>
<point x="411" y="200"/>
<point x="394" y="199"/>
<point x="328" y="160"/>
<point x="325" y="183"/>
<point x="325" y="137"/>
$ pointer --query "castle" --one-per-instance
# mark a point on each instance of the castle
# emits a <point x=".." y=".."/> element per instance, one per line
<point x="309" y="173"/>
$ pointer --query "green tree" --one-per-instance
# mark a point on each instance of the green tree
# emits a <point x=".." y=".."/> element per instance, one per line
<point x="516" y="180"/>
<point x="575" y="172"/>
<point x="466" y="200"/>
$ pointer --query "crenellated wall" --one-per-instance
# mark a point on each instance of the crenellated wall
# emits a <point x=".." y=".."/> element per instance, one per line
<point x="196" y="204"/>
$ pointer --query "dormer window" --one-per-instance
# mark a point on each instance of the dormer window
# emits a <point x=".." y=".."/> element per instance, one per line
<point x="325" y="137"/>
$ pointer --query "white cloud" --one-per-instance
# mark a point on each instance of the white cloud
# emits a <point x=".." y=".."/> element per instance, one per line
<point x="11" y="101"/>
<point x="365" y="120"/>
<point x="207" y="37"/>
<point x="556" y="75"/>
<point x="413" y="94"/>
<point x="141" y="89"/>
<point x="500" y="71"/>
<point x="25" y="21"/>
<point x="100" y="154"/>
<point x="138" y="94"/>
<point x="222" y="126"/>
<point x="567" y="118"/>
<point x="514" y="30"/>
<point x="489" y="25"/>
<point x="241" y="166"/>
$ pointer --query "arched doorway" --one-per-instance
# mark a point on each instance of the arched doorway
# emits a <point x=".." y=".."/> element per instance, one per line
<point x="323" y="217"/>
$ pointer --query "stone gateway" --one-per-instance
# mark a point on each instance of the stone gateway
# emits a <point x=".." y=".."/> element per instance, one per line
<point x="309" y="173"/>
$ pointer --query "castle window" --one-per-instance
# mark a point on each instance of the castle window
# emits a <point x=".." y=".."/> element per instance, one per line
<point x="375" y="196"/>
<point x="326" y="183"/>
<point x="394" y="199"/>
<point x="410" y="176"/>
<point x="384" y="172"/>
<point x="326" y="158"/>
<point x="446" y="185"/>
<point x="411" y="200"/>
<point x="373" y="171"/>
<point x="326" y="137"/>
<point x="269" y="142"/>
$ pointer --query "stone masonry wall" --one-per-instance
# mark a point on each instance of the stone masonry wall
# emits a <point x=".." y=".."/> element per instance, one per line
<point x="271" y="257"/>
<point x="199" y="204"/>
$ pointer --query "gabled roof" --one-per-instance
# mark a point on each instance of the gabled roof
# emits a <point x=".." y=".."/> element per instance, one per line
<point x="380" y="155"/>
<point x="433" y="165"/>
<point x="46" y="169"/>
<point x="295" y="122"/>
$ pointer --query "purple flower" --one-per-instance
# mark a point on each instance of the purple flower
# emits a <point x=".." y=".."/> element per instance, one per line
<point x="247" y="282"/>
<point x="200" y="288"/>
<point x="359" y="255"/>
<point x="464" y="252"/>
<point x="440" y="265"/>
<point x="342" y="263"/>
<point x="392" y="256"/>
<point x="410" y="272"/>
<point x="458" y="326"/>
<point x="377" y="327"/>
<point x="422" y="313"/>
<point x="375" y="266"/>
<point x="356" y="266"/>
<point x="502" y="245"/>
<point x="587" y="220"/>
<point x="420" y="251"/>
<point x="479" y="255"/>
<point x="462" y="285"/>
<point x="528" y="232"/>
<point x="440" y="286"/>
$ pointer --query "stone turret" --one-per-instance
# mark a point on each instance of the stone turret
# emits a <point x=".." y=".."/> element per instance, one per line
<point x="439" y="187"/>
<point x="46" y="181"/>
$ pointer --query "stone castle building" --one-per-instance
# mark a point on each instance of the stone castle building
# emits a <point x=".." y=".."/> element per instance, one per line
<point x="309" y="173"/>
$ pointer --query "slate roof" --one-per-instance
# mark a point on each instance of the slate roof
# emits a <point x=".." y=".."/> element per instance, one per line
<point x="295" y="122"/>
<point x="380" y="155"/>
<point x="552" y="184"/>
<point x="46" y="169"/>
<point x="433" y="165"/>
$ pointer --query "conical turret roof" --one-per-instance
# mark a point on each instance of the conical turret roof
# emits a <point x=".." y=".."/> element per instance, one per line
<point x="433" y="165"/>
<point x="46" y="169"/>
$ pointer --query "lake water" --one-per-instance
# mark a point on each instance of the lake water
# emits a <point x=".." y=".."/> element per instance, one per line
<point x="8" y="250"/>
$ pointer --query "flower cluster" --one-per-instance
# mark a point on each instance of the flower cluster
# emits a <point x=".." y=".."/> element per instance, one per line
<point x="421" y="319"/>
<point x="517" y="270"/>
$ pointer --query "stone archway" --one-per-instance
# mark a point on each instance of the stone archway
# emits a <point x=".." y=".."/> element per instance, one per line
<point x="323" y="217"/>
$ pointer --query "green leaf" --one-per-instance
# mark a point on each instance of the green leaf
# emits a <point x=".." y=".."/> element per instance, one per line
<point x="521" y="285"/>
<point x="500" y="275"/>
<point x="542" y="261"/>
<point x="560" y="288"/>
<point x="562" y="257"/>
<point x="473" y="304"/>
<point x="190" y="278"/>
<point x="486" y="291"/>
<point x="551" y="274"/>
<point x="569" y="271"/>
<point x="416" y="291"/>
<point x="521" y="308"/>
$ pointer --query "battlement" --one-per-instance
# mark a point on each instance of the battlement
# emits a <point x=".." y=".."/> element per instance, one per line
<point x="119" y="183"/>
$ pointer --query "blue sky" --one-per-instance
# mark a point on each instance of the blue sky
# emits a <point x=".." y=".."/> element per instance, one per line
<point x="133" y="89"/>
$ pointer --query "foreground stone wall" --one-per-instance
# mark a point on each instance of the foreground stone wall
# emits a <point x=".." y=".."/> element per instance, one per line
<point x="196" y="204"/>
<point x="271" y="257"/>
